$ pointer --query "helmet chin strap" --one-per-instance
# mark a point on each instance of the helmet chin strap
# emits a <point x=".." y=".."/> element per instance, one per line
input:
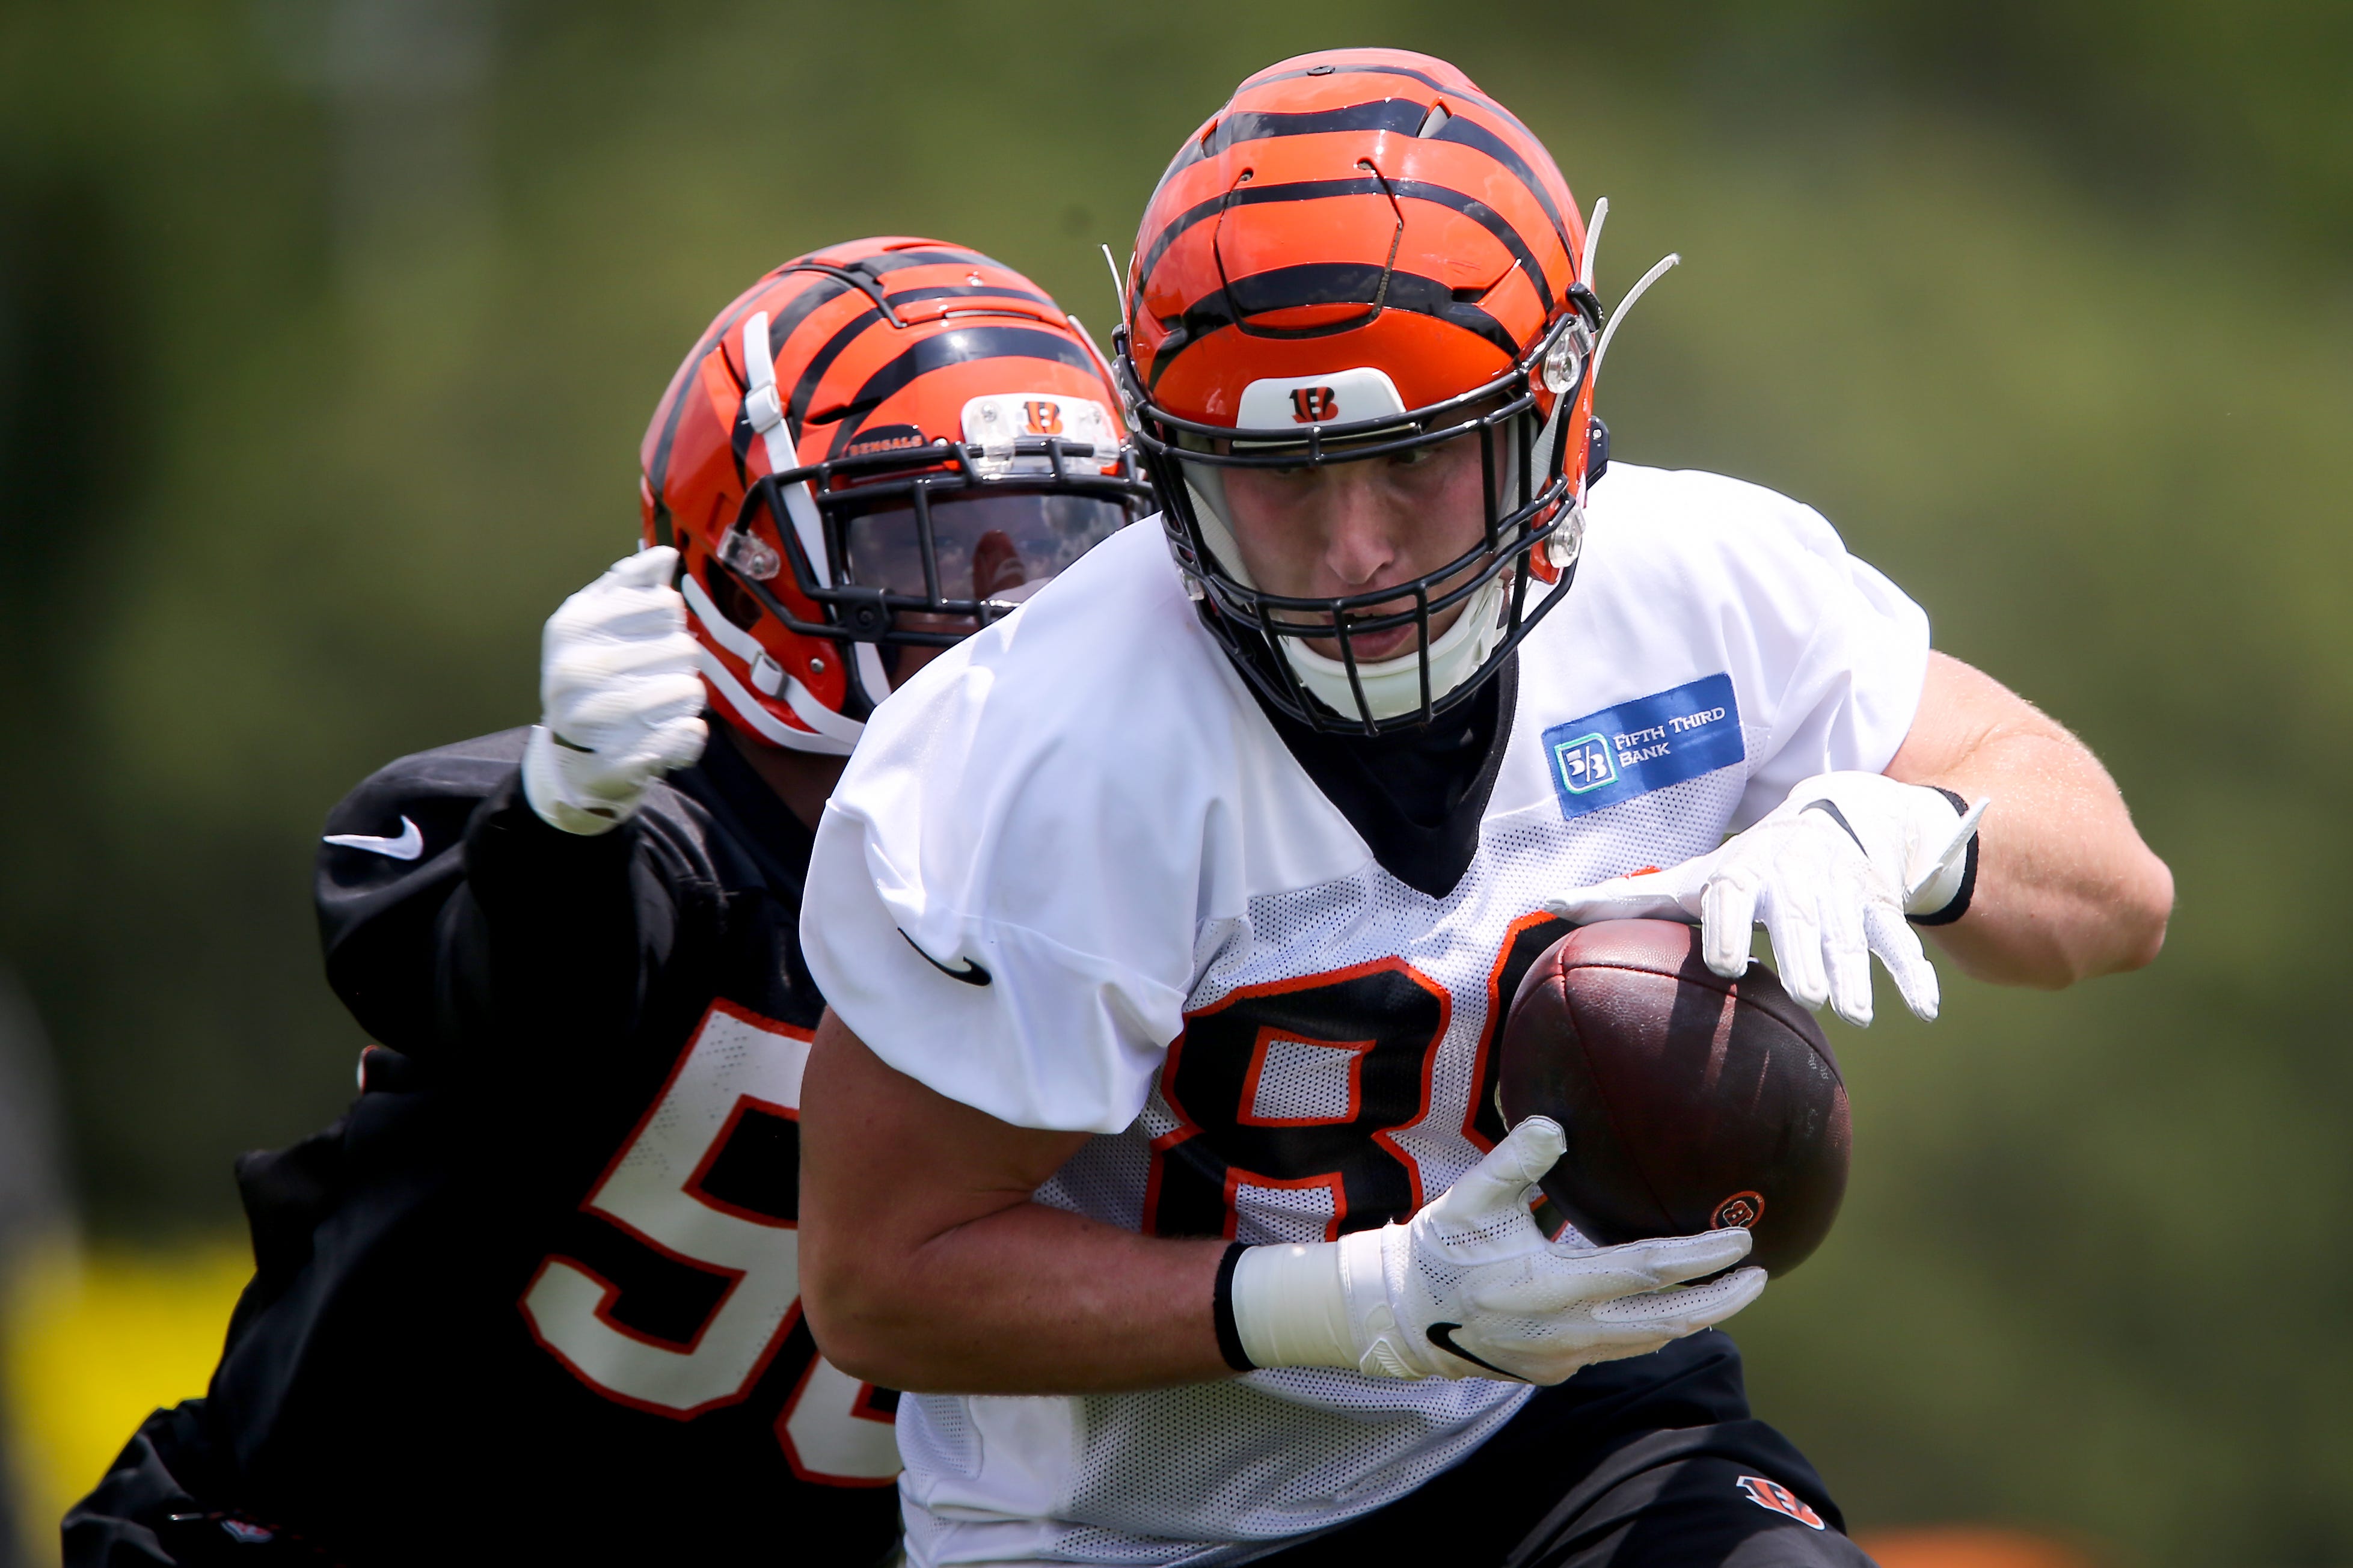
<point x="869" y="670"/>
<point x="828" y="732"/>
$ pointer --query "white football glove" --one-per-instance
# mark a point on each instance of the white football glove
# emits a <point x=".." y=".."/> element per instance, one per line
<point x="621" y="703"/>
<point x="1469" y="1287"/>
<point x="1830" y="873"/>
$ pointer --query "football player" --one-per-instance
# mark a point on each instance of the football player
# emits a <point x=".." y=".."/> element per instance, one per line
<point x="535" y="1299"/>
<point x="1167" y="925"/>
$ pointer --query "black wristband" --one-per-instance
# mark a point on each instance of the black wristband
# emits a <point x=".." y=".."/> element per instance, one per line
<point x="1960" y="902"/>
<point x="1221" y="1309"/>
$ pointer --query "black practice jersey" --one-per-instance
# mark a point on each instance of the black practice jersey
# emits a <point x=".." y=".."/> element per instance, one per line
<point x="535" y="1298"/>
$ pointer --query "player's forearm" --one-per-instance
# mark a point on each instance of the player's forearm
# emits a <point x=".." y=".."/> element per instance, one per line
<point x="1030" y="1299"/>
<point x="925" y="1265"/>
<point x="2065" y="889"/>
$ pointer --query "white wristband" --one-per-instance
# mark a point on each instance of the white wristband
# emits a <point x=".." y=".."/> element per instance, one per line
<point x="1941" y="858"/>
<point x="1943" y="882"/>
<point x="1291" y="1305"/>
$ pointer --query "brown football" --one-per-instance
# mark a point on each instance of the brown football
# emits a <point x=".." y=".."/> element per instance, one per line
<point x="1690" y="1100"/>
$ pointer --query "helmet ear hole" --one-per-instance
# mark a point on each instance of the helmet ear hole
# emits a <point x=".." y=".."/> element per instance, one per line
<point x="734" y="601"/>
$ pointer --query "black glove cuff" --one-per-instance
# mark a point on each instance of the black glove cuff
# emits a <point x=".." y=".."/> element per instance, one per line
<point x="1222" y="1308"/>
<point x="1960" y="904"/>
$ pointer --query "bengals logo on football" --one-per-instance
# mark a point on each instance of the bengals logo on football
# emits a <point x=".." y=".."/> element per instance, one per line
<point x="1773" y="1495"/>
<point x="1044" y="417"/>
<point x="1741" y="1209"/>
<point x="1313" y="405"/>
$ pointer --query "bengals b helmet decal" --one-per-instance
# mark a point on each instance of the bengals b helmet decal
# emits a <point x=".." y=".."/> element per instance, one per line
<point x="1312" y="404"/>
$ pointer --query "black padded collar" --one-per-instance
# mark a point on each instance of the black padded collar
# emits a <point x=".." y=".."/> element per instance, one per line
<point x="1418" y="796"/>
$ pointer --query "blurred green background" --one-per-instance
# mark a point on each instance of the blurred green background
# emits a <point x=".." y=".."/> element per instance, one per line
<point x="328" y="329"/>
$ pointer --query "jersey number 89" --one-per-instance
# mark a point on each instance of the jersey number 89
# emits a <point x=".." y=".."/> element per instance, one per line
<point x="1298" y="1087"/>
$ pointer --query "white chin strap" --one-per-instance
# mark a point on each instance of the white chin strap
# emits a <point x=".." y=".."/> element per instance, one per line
<point x="829" y="733"/>
<point x="1393" y="686"/>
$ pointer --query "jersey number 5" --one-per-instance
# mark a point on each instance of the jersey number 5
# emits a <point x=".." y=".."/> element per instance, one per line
<point x="709" y="1179"/>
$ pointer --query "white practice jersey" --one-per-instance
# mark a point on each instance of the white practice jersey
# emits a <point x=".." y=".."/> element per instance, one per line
<point x="1074" y="877"/>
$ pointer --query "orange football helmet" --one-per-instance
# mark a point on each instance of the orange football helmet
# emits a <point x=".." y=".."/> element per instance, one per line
<point x="1362" y="254"/>
<point x="882" y="445"/>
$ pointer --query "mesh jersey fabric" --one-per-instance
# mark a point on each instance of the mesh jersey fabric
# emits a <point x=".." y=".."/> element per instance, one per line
<point x="1192" y="954"/>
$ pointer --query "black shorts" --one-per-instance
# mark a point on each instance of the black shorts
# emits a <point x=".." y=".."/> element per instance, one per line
<point x="1649" y="1463"/>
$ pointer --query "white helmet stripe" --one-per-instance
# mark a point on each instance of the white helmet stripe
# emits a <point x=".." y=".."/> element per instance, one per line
<point x="762" y="405"/>
<point x="765" y="408"/>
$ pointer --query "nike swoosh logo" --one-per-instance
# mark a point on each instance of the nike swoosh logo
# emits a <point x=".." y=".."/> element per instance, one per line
<point x="1830" y="809"/>
<point x="1442" y="1336"/>
<point x="407" y="846"/>
<point x="965" y="970"/>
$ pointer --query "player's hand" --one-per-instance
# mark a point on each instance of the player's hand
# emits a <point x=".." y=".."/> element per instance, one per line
<point x="1469" y="1287"/>
<point x="1831" y="874"/>
<point x="620" y="702"/>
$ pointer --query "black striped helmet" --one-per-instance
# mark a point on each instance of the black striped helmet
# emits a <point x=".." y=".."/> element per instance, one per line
<point x="882" y="445"/>
<point x="1359" y="255"/>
